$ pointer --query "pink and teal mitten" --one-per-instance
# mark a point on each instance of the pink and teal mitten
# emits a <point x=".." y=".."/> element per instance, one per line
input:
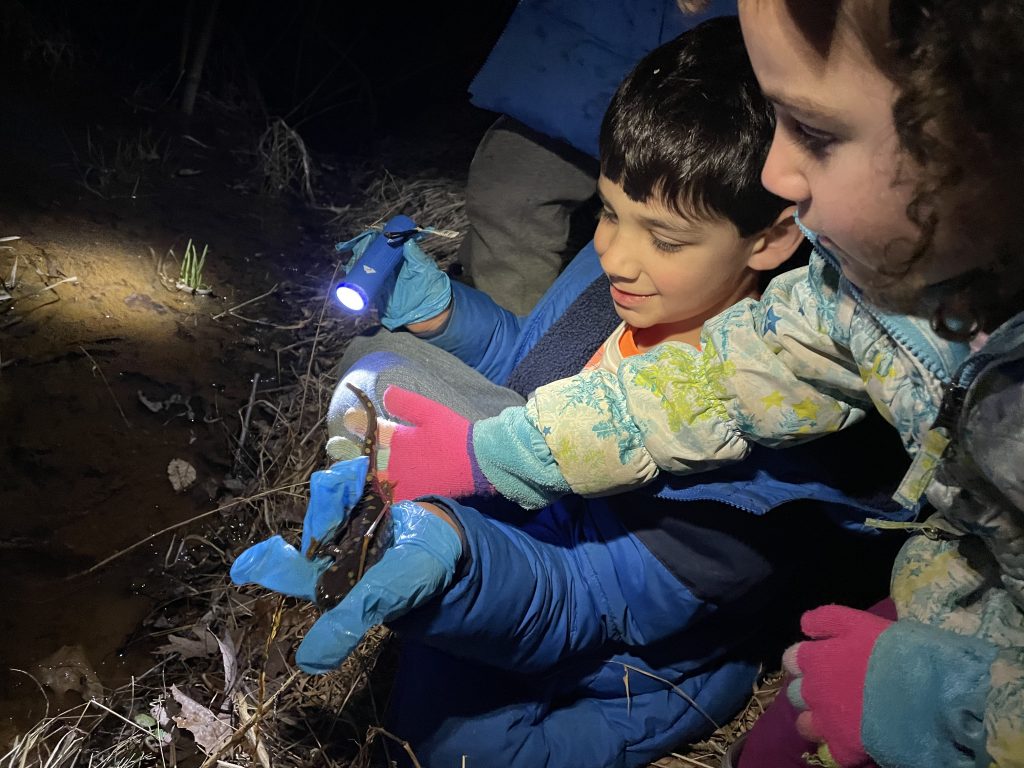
<point x="829" y="671"/>
<point x="427" y="449"/>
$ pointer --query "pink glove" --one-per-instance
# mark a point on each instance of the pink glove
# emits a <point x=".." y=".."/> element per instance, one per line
<point x="432" y="453"/>
<point x="829" y="672"/>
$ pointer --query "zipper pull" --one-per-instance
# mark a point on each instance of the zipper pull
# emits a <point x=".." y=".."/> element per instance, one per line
<point x="933" y="532"/>
<point x="953" y="397"/>
<point x="922" y="468"/>
<point x="933" y="446"/>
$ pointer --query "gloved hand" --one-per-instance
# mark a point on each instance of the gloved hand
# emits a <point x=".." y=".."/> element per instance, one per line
<point x="418" y="565"/>
<point x="419" y="290"/>
<point x="829" y="672"/>
<point x="432" y="453"/>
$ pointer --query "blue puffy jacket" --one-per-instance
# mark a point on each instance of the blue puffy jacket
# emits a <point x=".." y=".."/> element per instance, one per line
<point x="558" y="62"/>
<point x="606" y="632"/>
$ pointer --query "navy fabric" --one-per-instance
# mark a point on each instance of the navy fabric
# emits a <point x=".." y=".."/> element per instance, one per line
<point x="558" y="62"/>
<point x="494" y="341"/>
<point x="570" y="342"/>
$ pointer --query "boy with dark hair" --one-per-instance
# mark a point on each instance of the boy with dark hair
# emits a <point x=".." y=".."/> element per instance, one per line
<point x="598" y="632"/>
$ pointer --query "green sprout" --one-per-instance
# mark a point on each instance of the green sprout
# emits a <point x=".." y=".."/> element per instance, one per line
<point x="191" y="277"/>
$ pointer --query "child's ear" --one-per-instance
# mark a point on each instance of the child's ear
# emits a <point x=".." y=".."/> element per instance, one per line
<point x="776" y="243"/>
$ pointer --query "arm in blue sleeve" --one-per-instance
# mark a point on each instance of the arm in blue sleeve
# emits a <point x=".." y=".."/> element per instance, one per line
<point x="524" y="602"/>
<point x="479" y="332"/>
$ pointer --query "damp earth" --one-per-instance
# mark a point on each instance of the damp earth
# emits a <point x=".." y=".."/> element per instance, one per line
<point x="109" y="372"/>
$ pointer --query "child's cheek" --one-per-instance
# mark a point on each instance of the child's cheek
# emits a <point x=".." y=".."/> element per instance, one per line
<point x="603" y="236"/>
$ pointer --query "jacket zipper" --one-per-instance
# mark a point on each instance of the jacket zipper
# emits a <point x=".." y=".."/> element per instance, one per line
<point x="895" y="333"/>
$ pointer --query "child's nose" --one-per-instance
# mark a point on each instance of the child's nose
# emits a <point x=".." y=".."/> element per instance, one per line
<point x="616" y="255"/>
<point x="783" y="174"/>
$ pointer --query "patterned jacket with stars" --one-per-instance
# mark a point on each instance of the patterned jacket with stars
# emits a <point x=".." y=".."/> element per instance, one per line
<point x="946" y="682"/>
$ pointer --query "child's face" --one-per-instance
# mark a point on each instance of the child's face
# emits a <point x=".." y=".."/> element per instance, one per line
<point x="835" y="151"/>
<point x="668" y="273"/>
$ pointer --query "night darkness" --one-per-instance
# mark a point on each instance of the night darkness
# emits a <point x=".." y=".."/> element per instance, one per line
<point x="342" y="69"/>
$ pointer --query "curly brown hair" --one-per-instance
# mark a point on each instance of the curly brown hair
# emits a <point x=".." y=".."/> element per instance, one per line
<point x="959" y="115"/>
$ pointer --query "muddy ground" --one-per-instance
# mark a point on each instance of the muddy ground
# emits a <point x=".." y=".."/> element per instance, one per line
<point x="107" y="373"/>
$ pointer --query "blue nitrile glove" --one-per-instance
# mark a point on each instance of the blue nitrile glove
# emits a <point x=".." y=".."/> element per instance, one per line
<point x="418" y="292"/>
<point x="419" y="565"/>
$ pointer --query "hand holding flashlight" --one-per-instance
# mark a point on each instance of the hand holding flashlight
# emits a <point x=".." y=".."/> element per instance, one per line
<point x="392" y="273"/>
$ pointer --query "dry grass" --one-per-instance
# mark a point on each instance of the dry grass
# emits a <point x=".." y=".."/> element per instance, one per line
<point x="276" y="714"/>
<point x="284" y="162"/>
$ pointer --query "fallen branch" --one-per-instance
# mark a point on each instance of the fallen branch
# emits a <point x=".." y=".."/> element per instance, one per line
<point x="219" y="315"/>
<point x="245" y="421"/>
<point x="170" y="528"/>
<point x="50" y="287"/>
<point x="113" y="397"/>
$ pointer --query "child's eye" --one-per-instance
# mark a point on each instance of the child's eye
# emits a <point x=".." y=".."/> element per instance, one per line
<point x="666" y="246"/>
<point x="814" y="140"/>
<point x="606" y="214"/>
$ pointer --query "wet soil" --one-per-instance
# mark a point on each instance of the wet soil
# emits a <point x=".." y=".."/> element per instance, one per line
<point x="107" y="373"/>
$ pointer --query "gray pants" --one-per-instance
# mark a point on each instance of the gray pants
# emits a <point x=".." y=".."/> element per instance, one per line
<point x="373" y="363"/>
<point x="525" y="198"/>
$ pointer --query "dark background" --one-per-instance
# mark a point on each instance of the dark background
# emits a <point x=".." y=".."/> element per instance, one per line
<point x="337" y="71"/>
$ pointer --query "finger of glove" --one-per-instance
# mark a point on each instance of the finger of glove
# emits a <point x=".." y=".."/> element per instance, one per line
<point x="357" y="422"/>
<point x="332" y="494"/>
<point x="278" y="566"/>
<point x="357" y="246"/>
<point x="414" y="408"/>
<point x="416" y="257"/>
<point x="790" y="661"/>
<point x="421" y="290"/>
<point x="344" y="448"/>
<point x="807" y="728"/>
<point x="833" y="620"/>
<point x="418" y="567"/>
<point x="832" y="688"/>
<point x="795" y="694"/>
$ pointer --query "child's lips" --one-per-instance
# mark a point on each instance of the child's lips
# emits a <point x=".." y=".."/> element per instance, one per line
<point x="626" y="299"/>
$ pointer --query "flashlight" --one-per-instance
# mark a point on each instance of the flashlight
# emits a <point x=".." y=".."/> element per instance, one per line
<point x="362" y="284"/>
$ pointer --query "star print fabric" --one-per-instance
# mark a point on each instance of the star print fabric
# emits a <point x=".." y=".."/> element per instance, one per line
<point x="806" y="360"/>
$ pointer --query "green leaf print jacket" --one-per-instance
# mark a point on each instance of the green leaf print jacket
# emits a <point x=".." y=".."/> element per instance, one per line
<point x="946" y="681"/>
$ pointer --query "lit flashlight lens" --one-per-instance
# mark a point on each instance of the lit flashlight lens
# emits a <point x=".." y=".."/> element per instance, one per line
<point x="351" y="298"/>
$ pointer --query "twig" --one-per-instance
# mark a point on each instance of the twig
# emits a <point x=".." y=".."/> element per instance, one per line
<point x="690" y="760"/>
<point x="239" y="734"/>
<point x="119" y="716"/>
<point x="314" y="428"/>
<point x="245" y="421"/>
<point x="169" y="528"/>
<point x="30" y="676"/>
<point x="113" y="397"/>
<point x="12" y="281"/>
<point x="686" y="697"/>
<point x="378" y="731"/>
<point x="50" y="287"/>
<point x="316" y="337"/>
<point x="219" y="315"/>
